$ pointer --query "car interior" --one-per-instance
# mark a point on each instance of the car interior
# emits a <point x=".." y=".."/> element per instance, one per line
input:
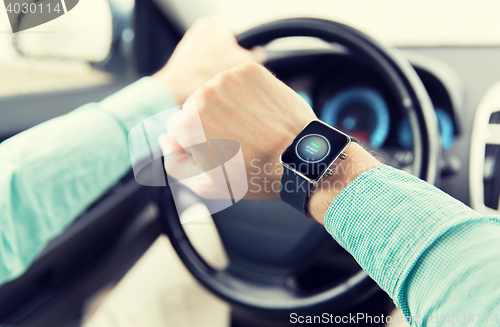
<point x="432" y="110"/>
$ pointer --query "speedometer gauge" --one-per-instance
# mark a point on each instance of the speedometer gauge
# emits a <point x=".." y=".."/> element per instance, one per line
<point x="446" y="130"/>
<point x="361" y="112"/>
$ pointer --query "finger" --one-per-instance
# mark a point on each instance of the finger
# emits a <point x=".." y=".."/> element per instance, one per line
<point x="259" y="54"/>
<point x="180" y="165"/>
<point x="167" y="144"/>
<point x="206" y="180"/>
<point x="178" y="162"/>
<point x="185" y="127"/>
<point x="174" y="128"/>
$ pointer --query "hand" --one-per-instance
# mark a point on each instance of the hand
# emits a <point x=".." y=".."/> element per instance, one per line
<point x="207" y="48"/>
<point x="249" y="105"/>
<point x="246" y="104"/>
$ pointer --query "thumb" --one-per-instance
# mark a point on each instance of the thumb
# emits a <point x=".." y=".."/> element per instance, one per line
<point x="167" y="145"/>
<point x="178" y="162"/>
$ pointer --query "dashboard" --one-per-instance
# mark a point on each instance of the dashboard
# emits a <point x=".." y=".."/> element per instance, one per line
<point x="339" y="88"/>
<point x="460" y="82"/>
<point x="345" y="93"/>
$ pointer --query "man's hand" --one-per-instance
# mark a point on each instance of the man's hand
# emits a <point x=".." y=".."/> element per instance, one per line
<point x="208" y="48"/>
<point x="249" y="105"/>
<point x="246" y="104"/>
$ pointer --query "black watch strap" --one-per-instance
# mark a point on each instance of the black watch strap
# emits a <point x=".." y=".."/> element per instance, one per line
<point x="294" y="190"/>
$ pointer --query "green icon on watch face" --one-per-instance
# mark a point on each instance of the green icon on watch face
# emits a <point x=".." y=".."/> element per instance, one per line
<point x="312" y="148"/>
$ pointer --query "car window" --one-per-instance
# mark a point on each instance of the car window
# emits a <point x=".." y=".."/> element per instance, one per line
<point x="24" y="74"/>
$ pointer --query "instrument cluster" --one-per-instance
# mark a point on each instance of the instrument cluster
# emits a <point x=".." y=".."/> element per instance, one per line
<point x="352" y="98"/>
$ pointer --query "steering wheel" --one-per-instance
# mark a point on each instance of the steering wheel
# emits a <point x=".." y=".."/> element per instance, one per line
<point x="249" y="290"/>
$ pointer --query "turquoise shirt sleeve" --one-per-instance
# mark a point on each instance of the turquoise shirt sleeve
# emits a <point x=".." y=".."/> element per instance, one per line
<point x="438" y="259"/>
<point x="51" y="173"/>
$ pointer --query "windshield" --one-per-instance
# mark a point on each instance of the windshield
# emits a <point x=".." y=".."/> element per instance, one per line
<point x="399" y="22"/>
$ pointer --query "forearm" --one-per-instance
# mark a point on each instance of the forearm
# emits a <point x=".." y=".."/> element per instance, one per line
<point x="51" y="173"/>
<point x="404" y="232"/>
<point x="457" y="278"/>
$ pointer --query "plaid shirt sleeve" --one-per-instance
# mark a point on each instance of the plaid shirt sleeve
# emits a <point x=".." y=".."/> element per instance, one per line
<point x="432" y="254"/>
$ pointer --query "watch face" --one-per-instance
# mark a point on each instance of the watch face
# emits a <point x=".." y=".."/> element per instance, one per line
<point x="314" y="149"/>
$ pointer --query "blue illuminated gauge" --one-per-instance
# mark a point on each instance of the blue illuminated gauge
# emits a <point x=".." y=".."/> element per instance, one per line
<point x="361" y="112"/>
<point x="446" y="130"/>
<point x="405" y="138"/>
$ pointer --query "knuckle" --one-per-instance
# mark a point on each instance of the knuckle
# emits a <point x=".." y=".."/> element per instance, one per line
<point x="206" y="94"/>
<point x="250" y="68"/>
<point x="225" y="78"/>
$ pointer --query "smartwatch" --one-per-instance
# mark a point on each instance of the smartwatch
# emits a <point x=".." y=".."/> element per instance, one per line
<point x="308" y="158"/>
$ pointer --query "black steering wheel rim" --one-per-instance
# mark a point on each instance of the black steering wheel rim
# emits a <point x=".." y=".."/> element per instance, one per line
<point x="412" y="97"/>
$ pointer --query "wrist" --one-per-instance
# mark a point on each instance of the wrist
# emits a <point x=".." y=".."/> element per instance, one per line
<point x="358" y="161"/>
<point x="179" y="85"/>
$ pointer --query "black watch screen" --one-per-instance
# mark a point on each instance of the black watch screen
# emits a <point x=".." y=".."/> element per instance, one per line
<point x="314" y="149"/>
